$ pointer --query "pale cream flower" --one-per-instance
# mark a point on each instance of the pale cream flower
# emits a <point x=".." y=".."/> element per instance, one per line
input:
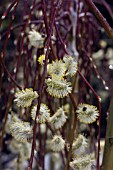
<point x="57" y="144"/>
<point x="25" y="97"/>
<point x="79" y="146"/>
<point x="36" y="40"/>
<point x="23" y="149"/>
<point x="44" y="113"/>
<point x="21" y="131"/>
<point x="58" y="86"/>
<point x="58" y="119"/>
<point x="71" y="65"/>
<point x="87" y="113"/>
<point x="56" y="158"/>
<point x="57" y="67"/>
<point x="82" y="163"/>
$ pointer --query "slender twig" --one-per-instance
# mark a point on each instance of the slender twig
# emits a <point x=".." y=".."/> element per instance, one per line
<point x="107" y="6"/>
<point x="100" y="18"/>
<point x="21" y="25"/>
<point x="61" y="40"/>
<point x="5" y="120"/>
<point x="92" y="62"/>
<point x="99" y="118"/>
<point x="3" y="53"/>
<point x="88" y="85"/>
<point x="47" y="29"/>
<point x="13" y="4"/>
<point x="42" y="82"/>
<point x="23" y="36"/>
<point x="8" y="73"/>
<point x="9" y="28"/>
<point x="72" y="130"/>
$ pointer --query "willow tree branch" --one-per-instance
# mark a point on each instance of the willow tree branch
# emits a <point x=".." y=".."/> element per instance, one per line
<point x="100" y="17"/>
<point x="12" y="5"/>
<point x="107" y="6"/>
<point x="8" y="73"/>
<point x="42" y="79"/>
<point x="99" y="118"/>
<point x="108" y="149"/>
<point x="72" y="132"/>
<point x="5" y="120"/>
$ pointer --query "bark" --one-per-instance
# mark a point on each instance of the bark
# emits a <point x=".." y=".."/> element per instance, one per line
<point x="107" y="163"/>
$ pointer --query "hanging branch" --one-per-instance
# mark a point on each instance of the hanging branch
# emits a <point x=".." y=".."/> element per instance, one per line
<point x="8" y="73"/>
<point x="99" y="118"/>
<point x="12" y="5"/>
<point x="42" y="82"/>
<point x="3" y="53"/>
<point x="107" y="162"/>
<point x="100" y="18"/>
<point x="5" y="120"/>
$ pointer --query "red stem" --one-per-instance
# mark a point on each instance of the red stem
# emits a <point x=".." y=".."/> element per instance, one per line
<point x="9" y="75"/>
<point x="100" y="17"/>
<point x="41" y="83"/>
<point x="99" y="118"/>
<point x="3" y="53"/>
<point x="13" y="4"/>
